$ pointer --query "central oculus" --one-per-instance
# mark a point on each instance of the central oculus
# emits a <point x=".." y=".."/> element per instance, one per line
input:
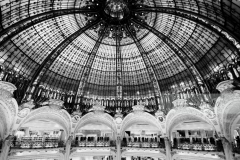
<point x="116" y="9"/>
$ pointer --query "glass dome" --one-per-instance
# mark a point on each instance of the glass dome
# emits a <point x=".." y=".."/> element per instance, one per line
<point x="128" y="49"/>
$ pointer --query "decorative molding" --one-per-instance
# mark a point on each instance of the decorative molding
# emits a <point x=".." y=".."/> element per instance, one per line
<point x="180" y="103"/>
<point x="76" y="119"/>
<point x="160" y="116"/>
<point x="54" y="104"/>
<point x="23" y="113"/>
<point x="225" y="85"/>
<point x="207" y="110"/>
<point x="28" y="104"/>
<point x="7" y="86"/>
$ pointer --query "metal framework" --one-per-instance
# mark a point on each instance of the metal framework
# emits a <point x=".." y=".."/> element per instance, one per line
<point x="190" y="45"/>
<point x="183" y="56"/>
<point x="147" y="62"/>
<point x="13" y="30"/>
<point x="119" y="94"/>
<point x="42" y="69"/>
<point x="234" y="32"/>
<point x="90" y="60"/>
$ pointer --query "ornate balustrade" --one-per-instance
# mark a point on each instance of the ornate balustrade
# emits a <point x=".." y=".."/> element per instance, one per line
<point x="90" y="142"/>
<point x="94" y="144"/>
<point x="197" y="147"/>
<point x="146" y="143"/>
<point x="36" y="143"/>
<point x="143" y="145"/>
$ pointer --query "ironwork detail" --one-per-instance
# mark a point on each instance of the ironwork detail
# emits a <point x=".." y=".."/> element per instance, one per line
<point x="13" y="30"/>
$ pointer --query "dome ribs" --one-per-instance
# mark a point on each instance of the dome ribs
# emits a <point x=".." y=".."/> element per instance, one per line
<point x="7" y="33"/>
<point x="119" y="89"/>
<point x="200" y="19"/>
<point x="147" y="62"/>
<point x="179" y="53"/>
<point x="90" y="60"/>
<point x="42" y="69"/>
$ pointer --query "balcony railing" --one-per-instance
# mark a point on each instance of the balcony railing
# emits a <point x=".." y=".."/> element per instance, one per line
<point x="30" y="144"/>
<point x="93" y="144"/>
<point x="143" y="144"/>
<point x="197" y="147"/>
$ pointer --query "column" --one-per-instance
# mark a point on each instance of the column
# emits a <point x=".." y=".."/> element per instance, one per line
<point x="168" y="148"/>
<point x="186" y="134"/>
<point x="118" y="147"/>
<point x="203" y="135"/>
<point x="6" y="147"/>
<point x="68" y="148"/>
<point x="62" y="135"/>
<point x="27" y="132"/>
<point x="227" y="146"/>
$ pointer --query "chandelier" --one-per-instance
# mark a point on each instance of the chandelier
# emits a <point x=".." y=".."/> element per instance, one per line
<point x="116" y="9"/>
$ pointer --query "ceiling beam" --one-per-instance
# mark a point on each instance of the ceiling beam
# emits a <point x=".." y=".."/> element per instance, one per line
<point x="7" y="33"/>
<point x="182" y="55"/>
<point x="119" y="89"/>
<point x="87" y="67"/>
<point x="207" y="22"/>
<point x="45" y="65"/>
<point x="148" y="64"/>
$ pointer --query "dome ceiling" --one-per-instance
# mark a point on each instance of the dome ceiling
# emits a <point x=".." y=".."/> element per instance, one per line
<point x="115" y="48"/>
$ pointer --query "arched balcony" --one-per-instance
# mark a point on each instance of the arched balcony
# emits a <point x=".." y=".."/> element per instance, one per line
<point x="192" y="132"/>
<point x="45" y="129"/>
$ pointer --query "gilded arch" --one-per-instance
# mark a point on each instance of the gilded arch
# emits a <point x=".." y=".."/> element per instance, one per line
<point x="59" y="116"/>
<point x="137" y="117"/>
<point x="101" y="117"/>
<point x="177" y="116"/>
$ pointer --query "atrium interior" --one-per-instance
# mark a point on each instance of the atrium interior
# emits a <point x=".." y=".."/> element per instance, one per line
<point x="119" y="80"/>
